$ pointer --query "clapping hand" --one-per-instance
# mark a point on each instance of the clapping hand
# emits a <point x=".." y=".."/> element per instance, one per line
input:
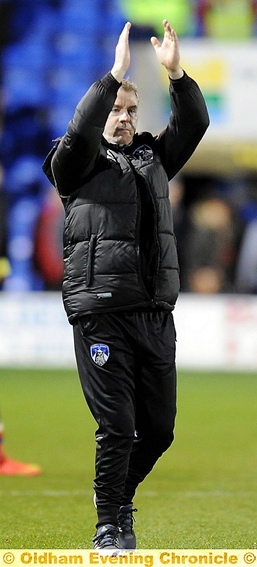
<point x="122" y="54"/>
<point x="168" y="51"/>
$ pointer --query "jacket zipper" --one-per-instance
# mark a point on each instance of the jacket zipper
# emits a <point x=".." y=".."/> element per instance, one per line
<point x="157" y="263"/>
<point x="91" y="249"/>
<point x="135" y="173"/>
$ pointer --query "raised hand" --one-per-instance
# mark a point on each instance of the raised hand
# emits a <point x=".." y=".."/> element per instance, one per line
<point x="122" y="54"/>
<point x="168" y="51"/>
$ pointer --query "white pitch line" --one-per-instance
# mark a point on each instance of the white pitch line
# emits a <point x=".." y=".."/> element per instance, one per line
<point x="55" y="493"/>
<point x="151" y="494"/>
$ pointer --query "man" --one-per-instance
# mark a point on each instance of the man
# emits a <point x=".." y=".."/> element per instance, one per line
<point x="121" y="274"/>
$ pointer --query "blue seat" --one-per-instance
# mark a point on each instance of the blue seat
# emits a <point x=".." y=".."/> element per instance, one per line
<point x="28" y="53"/>
<point x="59" y="116"/>
<point x="24" y="87"/>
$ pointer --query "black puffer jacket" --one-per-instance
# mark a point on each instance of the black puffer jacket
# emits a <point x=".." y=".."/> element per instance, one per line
<point x="119" y="246"/>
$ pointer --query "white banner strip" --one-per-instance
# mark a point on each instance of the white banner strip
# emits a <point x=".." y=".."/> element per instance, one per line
<point x="213" y="332"/>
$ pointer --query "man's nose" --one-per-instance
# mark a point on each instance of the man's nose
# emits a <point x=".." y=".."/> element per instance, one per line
<point x="124" y="116"/>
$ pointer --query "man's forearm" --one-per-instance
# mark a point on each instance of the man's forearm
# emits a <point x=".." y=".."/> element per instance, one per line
<point x="93" y="109"/>
<point x="188" y="122"/>
<point x="79" y="147"/>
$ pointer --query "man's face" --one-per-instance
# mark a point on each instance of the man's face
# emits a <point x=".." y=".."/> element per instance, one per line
<point x="121" y="123"/>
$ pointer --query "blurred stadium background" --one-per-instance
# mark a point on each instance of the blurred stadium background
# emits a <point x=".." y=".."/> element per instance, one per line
<point x="51" y="51"/>
<point x="204" y="488"/>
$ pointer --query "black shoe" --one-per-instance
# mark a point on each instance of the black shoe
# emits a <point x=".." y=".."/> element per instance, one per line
<point x="126" y="534"/>
<point x="106" y="537"/>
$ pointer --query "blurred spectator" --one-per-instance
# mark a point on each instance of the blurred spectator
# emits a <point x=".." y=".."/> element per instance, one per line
<point x="48" y="254"/>
<point x="210" y="246"/>
<point x="246" y="272"/>
<point x="180" y="220"/>
<point x="206" y="280"/>
<point x="228" y="19"/>
<point x="207" y="230"/>
<point x="243" y="196"/>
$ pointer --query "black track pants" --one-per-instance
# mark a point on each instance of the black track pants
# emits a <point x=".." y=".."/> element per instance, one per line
<point x="131" y="391"/>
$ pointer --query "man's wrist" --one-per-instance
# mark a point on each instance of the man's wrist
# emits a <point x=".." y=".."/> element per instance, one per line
<point x="118" y="75"/>
<point x="110" y="82"/>
<point x="175" y="75"/>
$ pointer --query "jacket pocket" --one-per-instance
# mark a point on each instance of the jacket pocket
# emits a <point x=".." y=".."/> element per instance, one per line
<point x="90" y="262"/>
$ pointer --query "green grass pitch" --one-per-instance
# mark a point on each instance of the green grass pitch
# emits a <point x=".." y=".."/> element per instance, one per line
<point x="202" y="493"/>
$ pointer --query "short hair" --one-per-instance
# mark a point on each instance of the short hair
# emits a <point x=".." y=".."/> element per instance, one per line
<point x="128" y="86"/>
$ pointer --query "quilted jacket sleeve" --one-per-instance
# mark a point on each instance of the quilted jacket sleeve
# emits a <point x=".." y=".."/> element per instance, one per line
<point x="188" y="122"/>
<point x="77" y="150"/>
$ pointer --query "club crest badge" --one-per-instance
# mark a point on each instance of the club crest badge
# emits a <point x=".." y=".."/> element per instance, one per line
<point x="99" y="354"/>
<point x="143" y="153"/>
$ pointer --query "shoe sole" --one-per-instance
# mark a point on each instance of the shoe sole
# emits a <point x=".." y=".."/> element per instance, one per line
<point x="127" y="544"/>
